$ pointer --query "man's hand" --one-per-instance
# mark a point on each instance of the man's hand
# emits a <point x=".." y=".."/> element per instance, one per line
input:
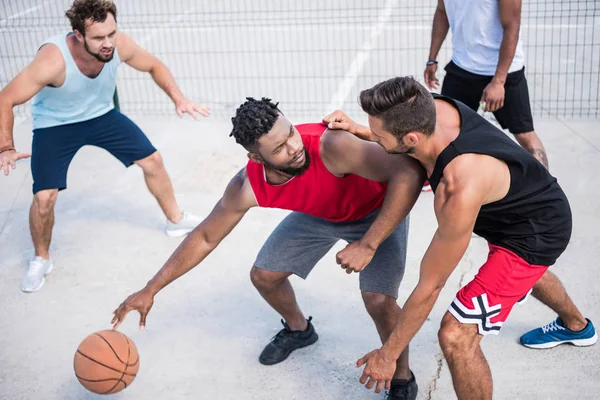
<point x="493" y="96"/>
<point x="339" y="120"/>
<point x="355" y="257"/>
<point x="430" y="78"/>
<point x="379" y="369"/>
<point x="10" y="158"/>
<point x="140" y="301"/>
<point x="186" y="106"/>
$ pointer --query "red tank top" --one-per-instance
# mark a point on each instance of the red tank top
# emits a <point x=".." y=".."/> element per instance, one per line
<point x="318" y="192"/>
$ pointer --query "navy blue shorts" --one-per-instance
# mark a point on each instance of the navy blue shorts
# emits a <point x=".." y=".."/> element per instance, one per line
<point x="53" y="148"/>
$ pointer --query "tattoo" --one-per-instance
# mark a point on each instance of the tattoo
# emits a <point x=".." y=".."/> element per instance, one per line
<point x="540" y="154"/>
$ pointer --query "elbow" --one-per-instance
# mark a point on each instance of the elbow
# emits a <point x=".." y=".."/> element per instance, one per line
<point x="432" y="289"/>
<point x="511" y="28"/>
<point x="5" y="102"/>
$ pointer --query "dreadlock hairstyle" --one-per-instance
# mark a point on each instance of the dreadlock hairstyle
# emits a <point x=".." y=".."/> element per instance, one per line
<point x="252" y="120"/>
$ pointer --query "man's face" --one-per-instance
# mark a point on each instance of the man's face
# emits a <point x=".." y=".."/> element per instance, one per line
<point x="100" y="38"/>
<point x="282" y="149"/>
<point x="386" y="140"/>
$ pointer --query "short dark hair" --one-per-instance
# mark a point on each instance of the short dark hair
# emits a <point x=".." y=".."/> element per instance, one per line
<point x="96" y="10"/>
<point x="252" y="120"/>
<point x="402" y="104"/>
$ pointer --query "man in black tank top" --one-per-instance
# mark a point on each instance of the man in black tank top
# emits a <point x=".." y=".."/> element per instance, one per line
<point x="483" y="183"/>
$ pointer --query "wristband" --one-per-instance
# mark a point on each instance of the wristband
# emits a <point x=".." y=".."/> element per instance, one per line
<point x="6" y="149"/>
<point x="431" y="62"/>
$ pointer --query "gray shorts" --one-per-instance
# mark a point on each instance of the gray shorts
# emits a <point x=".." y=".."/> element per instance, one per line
<point x="301" y="240"/>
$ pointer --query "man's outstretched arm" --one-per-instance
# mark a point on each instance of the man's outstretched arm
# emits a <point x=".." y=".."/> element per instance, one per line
<point x="227" y="213"/>
<point x="456" y="212"/>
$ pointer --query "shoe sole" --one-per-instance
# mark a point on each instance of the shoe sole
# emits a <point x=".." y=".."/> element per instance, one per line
<point x="177" y="232"/>
<point x="312" y="341"/>
<point x="38" y="287"/>
<point x="578" y="342"/>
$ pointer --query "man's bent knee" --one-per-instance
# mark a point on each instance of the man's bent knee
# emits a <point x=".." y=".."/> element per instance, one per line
<point x="262" y="278"/>
<point x="378" y="304"/>
<point x="44" y="201"/>
<point x="457" y="337"/>
<point x="151" y="163"/>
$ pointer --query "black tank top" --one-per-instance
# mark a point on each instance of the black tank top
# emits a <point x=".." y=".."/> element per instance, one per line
<point x="534" y="219"/>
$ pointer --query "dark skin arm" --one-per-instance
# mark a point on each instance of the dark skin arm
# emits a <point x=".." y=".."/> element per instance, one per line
<point x="439" y="32"/>
<point x="343" y="153"/>
<point x="227" y="213"/>
<point x="510" y="19"/>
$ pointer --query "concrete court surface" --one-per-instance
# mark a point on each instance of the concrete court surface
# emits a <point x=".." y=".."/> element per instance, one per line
<point x="205" y="332"/>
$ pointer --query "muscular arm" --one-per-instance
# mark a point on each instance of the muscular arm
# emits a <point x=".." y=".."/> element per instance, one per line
<point x="439" y="30"/>
<point x="456" y="206"/>
<point x="510" y="19"/>
<point x="344" y="154"/>
<point x="227" y="213"/>
<point x="45" y="69"/>
<point x="143" y="61"/>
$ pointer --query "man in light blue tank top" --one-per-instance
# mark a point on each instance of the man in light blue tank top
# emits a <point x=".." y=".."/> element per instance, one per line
<point x="73" y="78"/>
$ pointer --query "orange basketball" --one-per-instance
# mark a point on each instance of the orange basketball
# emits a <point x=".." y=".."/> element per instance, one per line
<point x="106" y="362"/>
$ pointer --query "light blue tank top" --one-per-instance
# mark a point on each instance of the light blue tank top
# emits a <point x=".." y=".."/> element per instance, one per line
<point x="80" y="98"/>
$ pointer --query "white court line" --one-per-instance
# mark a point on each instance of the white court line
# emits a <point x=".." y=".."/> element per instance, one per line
<point x="362" y="56"/>
<point x="24" y="12"/>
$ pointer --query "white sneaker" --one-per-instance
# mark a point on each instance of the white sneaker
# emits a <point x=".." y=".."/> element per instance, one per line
<point x="34" y="278"/>
<point x="187" y="224"/>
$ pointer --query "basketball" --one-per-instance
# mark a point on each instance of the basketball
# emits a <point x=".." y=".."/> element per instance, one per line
<point x="106" y="362"/>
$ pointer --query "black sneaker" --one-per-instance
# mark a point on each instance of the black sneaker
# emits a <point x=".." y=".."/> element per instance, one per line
<point x="402" y="389"/>
<point x="287" y="341"/>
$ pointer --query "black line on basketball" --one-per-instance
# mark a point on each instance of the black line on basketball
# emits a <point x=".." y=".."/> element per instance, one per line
<point x="97" y="380"/>
<point x="112" y="388"/>
<point x="104" y="365"/>
<point x="127" y="364"/>
<point x="109" y="345"/>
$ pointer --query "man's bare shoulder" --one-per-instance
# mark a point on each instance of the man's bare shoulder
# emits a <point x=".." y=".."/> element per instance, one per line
<point x="239" y="193"/>
<point x="50" y="58"/>
<point x="463" y="180"/>
<point x="334" y="141"/>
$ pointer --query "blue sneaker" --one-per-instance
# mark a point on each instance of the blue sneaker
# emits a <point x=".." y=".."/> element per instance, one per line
<point x="555" y="333"/>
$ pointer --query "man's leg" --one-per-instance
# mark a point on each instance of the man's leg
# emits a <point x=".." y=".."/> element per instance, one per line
<point x="276" y="289"/>
<point x="471" y="374"/>
<point x="41" y="221"/>
<point x="52" y="151"/>
<point x="571" y="326"/>
<point x="159" y="184"/>
<point x="121" y="137"/>
<point x="385" y="311"/>
<point x="550" y="291"/>
<point x="294" y="247"/>
<point x="532" y="143"/>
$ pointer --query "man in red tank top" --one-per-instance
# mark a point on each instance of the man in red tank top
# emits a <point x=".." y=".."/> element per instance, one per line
<point x="337" y="187"/>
